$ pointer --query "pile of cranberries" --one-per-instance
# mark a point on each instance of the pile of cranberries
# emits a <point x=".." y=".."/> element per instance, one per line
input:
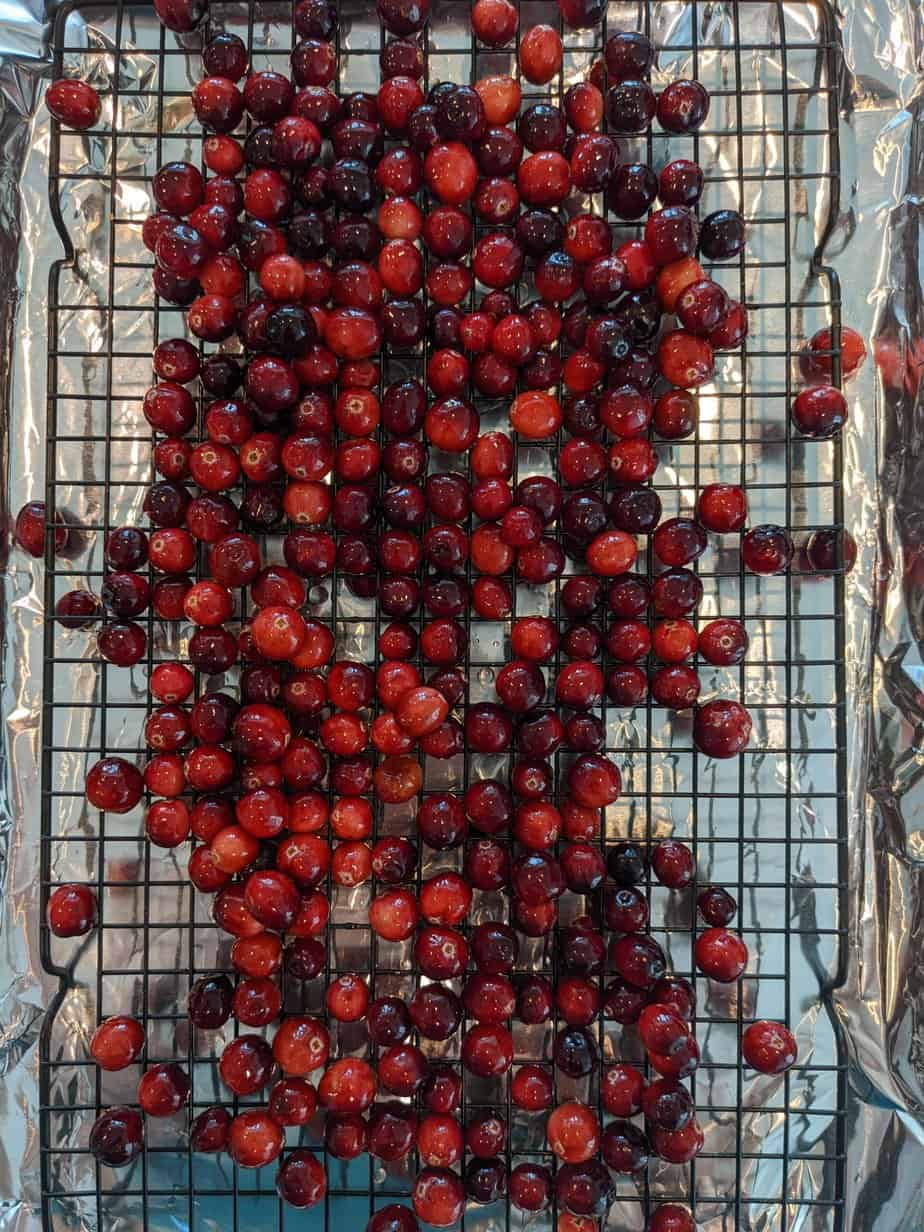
<point x="319" y="232"/>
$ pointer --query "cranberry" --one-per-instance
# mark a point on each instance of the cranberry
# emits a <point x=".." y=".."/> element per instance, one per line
<point x="73" y="102"/>
<point x="768" y="1047"/>
<point x="722" y="728"/>
<point x="671" y="1218"/>
<point x="573" y="1132"/>
<point x="716" y="906"/>
<point x="540" y="54"/>
<point x="117" y="1137"/>
<point x="722" y="235"/>
<point x="766" y="549"/>
<point x="683" y="106"/>
<point x="639" y="960"/>
<point x="594" y="781"/>
<point x="820" y="411"/>
<point x="393" y="1218"/>
<point x="532" y="1088"/>
<point x="438" y="1197"/>
<point x="584" y="1190"/>
<point x="678" y="1146"/>
<point x="301" y="1180"/>
<point x="208" y="1132"/>
<point x="254" y="1139"/>
<point x="625" y="1147"/>
<point x="721" y="955"/>
<point x="117" y="1042"/>
<point x="621" y="1090"/>
<point x="630" y="106"/>
<point x="114" y="785"/>
<point x="163" y="1090"/>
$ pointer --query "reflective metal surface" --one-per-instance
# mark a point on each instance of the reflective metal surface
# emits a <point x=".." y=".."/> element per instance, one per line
<point x="780" y="1154"/>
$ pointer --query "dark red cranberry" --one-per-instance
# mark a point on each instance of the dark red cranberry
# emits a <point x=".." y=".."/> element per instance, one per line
<point x="78" y="609"/>
<point x="722" y="235"/>
<point x="625" y="1147"/>
<point x="73" y="102"/>
<point x="716" y="906"/>
<point x="820" y="411"/>
<point x="117" y="1137"/>
<point x="585" y="1190"/>
<point x="683" y="106"/>
<point x="628" y="54"/>
<point x="630" y="106"/>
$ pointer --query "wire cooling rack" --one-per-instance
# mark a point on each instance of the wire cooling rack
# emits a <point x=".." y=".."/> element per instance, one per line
<point x="771" y="825"/>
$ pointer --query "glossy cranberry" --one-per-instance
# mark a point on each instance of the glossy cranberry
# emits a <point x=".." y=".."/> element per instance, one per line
<point x="625" y="1147"/>
<point x="254" y="1139"/>
<point x="630" y="106"/>
<point x="210" y="1002"/>
<point x="680" y="183"/>
<point x="594" y="781"/>
<point x="671" y="1218"/>
<point x="438" y="1197"/>
<point x="585" y="1190"/>
<point x="494" y="22"/>
<point x="831" y="550"/>
<point x="117" y="1137"/>
<point x="301" y="1180"/>
<point x="721" y="955"/>
<point x="722" y="507"/>
<point x="117" y="1042"/>
<point x="622" y="1002"/>
<point x="768" y="1047"/>
<point x="578" y="999"/>
<point x="114" y="785"/>
<point x="621" y="1090"/>
<point x="676" y="686"/>
<point x="820" y="411"/>
<point x="575" y="1051"/>
<point x="639" y="960"/>
<point x="178" y="188"/>
<point x="625" y="909"/>
<point x="208" y="1132"/>
<point x="401" y="58"/>
<point x="163" y="1090"/>
<point x="73" y="102"/>
<point x="393" y="1218"/>
<point x="766" y="549"/>
<point x="540" y="54"/>
<point x="722" y="235"/>
<point x="679" y="1146"/>
<point x="683" y="106"/>
<point x="716" y="906"/>
<point x="628" y="54"/>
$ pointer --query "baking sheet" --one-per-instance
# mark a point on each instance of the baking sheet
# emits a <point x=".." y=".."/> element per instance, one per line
<point x="874" y="245"/>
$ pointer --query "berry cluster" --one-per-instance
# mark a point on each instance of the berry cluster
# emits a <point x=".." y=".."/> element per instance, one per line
<point x="345" y="217"/>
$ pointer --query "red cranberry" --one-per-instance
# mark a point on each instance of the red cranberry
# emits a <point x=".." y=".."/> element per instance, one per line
<point x="254" y="1139"/>
<point x="678" y="1146"/>
<point x="540" y="54"/>
<point x="438" y="1197"/>
<point x="117" y="1137"/>
<point x="671" y="1218"/>
<point x="73" y="102"/>
<point x="114" y="785"/>
<point x="621" y="1090"/>
<point x="820" y="411"/>
<point x="721" y="955"/>
<point x="673" y="864"/>
<point x="667" y="1105"/>
<point x="301" y="1180"/>
<point x="683" y="106"/>
<point x="163" y="1090"/>
<point x="766" y="549"/>
<point x="117" y="1042"/>
<point x="768" y="1047"/>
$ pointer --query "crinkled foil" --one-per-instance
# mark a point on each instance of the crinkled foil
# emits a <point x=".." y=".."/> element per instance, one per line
<point x="875" y="1001"/>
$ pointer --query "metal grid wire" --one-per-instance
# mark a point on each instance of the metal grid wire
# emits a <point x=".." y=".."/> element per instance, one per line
<point x="770" y="825"/>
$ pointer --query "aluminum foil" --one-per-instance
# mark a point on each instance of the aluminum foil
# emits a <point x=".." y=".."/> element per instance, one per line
<point x="870" y="1005"/>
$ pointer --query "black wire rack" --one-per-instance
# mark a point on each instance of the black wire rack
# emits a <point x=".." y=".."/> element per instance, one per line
<point x="770" y="825"/>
